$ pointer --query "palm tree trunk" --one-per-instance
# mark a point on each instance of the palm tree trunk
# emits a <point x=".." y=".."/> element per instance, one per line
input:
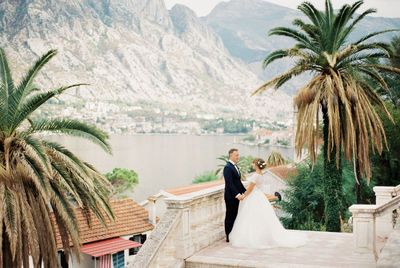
<point x="358" y="173"/>
<point x="358" y="185"/>
<point x="332" y="178"/>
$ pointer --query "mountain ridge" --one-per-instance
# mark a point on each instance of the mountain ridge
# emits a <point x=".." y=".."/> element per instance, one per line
<point x="132" y="51"/>
<point x="250" y="43"/>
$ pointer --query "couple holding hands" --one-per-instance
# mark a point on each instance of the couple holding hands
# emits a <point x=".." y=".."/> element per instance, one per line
<point x="250" y="220"/>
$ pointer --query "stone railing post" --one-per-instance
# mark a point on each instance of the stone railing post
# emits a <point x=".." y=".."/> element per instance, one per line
<point x="384" y="224"/>
<point x="200" y="223"/>
<point x="152" y="210"/>
<point x="364" y="229"/>
<point x="182" y="232"/>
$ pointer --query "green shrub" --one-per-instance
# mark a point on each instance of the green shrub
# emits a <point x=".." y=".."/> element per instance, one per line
<point x="250" y="138"/>
<point x="283" y="142"/>
<point x="305" y="200"/>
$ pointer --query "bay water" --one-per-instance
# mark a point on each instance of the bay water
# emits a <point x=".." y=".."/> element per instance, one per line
<point x="164" y="161"/>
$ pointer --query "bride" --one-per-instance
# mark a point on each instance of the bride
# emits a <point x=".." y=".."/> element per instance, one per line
<point x="256" y="225"/>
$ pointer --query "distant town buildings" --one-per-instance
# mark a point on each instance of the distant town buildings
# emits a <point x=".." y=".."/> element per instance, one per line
<point x="116" y="118"/>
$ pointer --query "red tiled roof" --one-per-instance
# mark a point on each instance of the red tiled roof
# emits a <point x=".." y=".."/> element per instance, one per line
<point x="283" y="171"/>
<point x="181" y="190"/>
<point x="108" y="246"/>
<point x="130" y="218"/>
<point x="263" y="131"/>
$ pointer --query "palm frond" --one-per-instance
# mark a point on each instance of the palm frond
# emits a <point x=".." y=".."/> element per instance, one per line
<point x="11" y="218"/>
<point x="279" y="80"/>
<point x="74" y="128"/>
<point x="282" y="53"/>
<point x="311" y="30"/>
<point x="26" y="87"/>
<point x="292" y="33"/>
<point x="33" y="147"/>
<point x="33" y="103"/>
<point x="275" y="159"/>
<point x="6" y="89"/>
<point x="368" y="36"/>
<point x="312" y="13"/>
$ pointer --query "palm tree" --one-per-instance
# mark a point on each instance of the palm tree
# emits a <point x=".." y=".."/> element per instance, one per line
<point x="40" y="180"/>
<point x="245" y="165"/>
<point x="338" y="89"/>
<point x="275" y="159"/>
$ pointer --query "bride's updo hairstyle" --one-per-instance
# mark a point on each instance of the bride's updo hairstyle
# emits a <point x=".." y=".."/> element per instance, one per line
<point x="260" y="163"/>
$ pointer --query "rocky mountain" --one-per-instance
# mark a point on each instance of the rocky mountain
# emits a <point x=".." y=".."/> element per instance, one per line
<point x="133" y="52"/>
<point x="243" y="26"/>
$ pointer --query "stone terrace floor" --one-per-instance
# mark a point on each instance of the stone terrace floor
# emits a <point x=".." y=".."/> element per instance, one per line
<point x="323" y="249"/>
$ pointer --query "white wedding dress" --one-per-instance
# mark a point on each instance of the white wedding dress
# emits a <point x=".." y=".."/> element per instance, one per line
<point x="257" y="226"/>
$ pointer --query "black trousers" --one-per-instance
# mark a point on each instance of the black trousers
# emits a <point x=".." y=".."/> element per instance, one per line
<point x="232" y="206"/>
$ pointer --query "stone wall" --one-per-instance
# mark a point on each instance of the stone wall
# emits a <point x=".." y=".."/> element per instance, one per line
<point x="372" y="221"/>
<point x="191" y="222"/>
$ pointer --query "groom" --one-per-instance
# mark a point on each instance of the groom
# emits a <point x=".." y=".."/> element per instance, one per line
<point x="233" y="190"/>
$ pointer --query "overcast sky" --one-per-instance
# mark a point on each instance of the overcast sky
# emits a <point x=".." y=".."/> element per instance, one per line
<point x="386" y="8"/>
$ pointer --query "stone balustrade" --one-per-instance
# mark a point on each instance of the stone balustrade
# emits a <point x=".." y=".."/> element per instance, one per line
<point x="370" y="221"/>
<point x="192" y="222"/>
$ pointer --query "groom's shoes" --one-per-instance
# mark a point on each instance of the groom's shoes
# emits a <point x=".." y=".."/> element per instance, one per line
<point x="227" y="240"/>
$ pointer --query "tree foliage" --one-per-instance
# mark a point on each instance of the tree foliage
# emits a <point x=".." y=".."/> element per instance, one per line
<point x="245" y="164"/>
<point x="41" y="181"/>
<point x="275" y="159"/>
<point x="305" y="196"/>
<point x="392" y="93"/>
<point x="229" y="126"/>
<point x="250" y="138"/>
<point x="122" y="180"/>
<point x="386" y="167"/>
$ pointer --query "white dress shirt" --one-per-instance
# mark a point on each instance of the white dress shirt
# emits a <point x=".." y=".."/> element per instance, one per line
<point x="234" y="164"/>
<point x="237" y="169"/>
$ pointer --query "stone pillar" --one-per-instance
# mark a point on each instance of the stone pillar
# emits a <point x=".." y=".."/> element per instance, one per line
<point x="152" y="210"/>
<point x="364" y="230"/>
<point x="183" y="234"/>
<point x="384" y="224"/>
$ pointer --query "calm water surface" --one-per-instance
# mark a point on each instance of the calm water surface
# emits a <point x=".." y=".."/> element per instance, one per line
<point x="163" y="161"/>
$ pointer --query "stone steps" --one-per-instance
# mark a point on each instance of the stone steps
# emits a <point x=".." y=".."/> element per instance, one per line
<point x="201" y="262"/>
<point x="323" y="249"/>
<point x="390" y="254"/>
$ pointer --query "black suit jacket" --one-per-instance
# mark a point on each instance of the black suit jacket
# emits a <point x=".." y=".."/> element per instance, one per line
<point x="233" y="184"/>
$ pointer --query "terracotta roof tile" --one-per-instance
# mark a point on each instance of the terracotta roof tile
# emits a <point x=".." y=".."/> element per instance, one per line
<point x="130" y="218"/>
<point x="283" y="171"/>
<point x="263" y="131"/>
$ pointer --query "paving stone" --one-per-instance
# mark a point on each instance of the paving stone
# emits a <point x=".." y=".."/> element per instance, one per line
<point x="323" y="249"/>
